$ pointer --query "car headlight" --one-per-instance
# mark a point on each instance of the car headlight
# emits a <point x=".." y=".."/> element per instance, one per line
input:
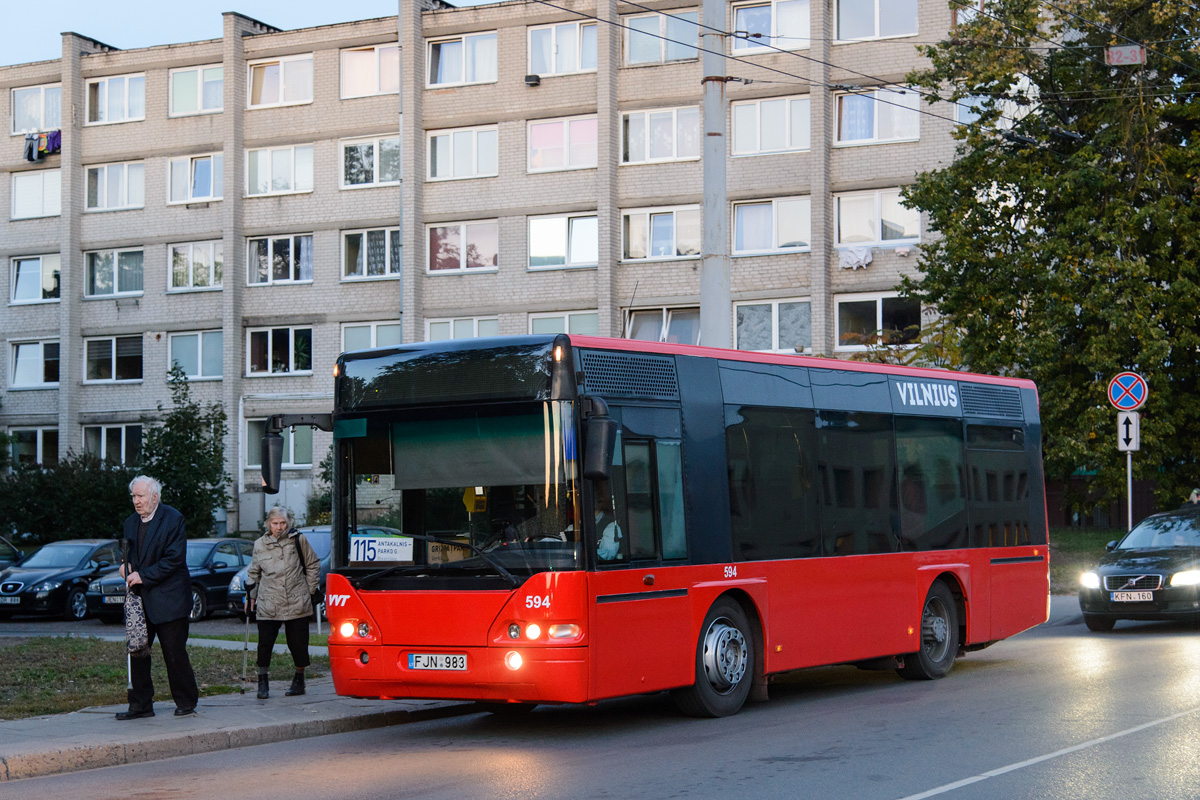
<point x="1189" y="577"/>
<point x="94" y="587"/>
<point x="47" y="586"/>
<point x="1089" y="580"/>
<point x="235" y="585"/>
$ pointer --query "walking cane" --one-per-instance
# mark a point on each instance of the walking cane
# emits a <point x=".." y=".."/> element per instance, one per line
<point x="246" y="642"/>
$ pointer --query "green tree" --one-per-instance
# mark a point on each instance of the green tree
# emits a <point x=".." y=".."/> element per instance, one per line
<point x="82" y="498"/>
<point x="186" y="452"/>
<point x="1069" y="246"/>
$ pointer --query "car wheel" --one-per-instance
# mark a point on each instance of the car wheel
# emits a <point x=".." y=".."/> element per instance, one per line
<point x="724" y="664"/>
<point x="75" y="608"/>
<point x="1098" y="624"/>
<point x="199" y="609"/>
<point x="939" y="637"/>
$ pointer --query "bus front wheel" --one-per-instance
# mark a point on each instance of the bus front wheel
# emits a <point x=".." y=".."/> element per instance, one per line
<point x="724" y="664"/>
<point x="939" y="637"/>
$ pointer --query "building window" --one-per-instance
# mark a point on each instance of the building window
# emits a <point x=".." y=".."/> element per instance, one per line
<point x="658" y="38"/>
<point x="571" y="240"/>
<point x="463" y="59"/>
<point x="876" y="219"/>
<point x="120" y="98"/>
<point x="281" y="81"/>
<point x="463" y="153"/>
<point x="113" y="358"/>
<point x="34" y="446"/>
<point x="777" y="326"/>
<point x="665" y="134"/>
<point x="199" y="354"/>
<point x="774" y="125"/>
<point x="437" y="330"/>
<point x="36" y="194"/>
<point x="582" y="323"/>
<point x="114" y="444"/>
<point x="364" y="335"/>
<point x="297" y="445"/>
<point x="660" y="233"/>
<point x="34" y="365"/>
<point x="278" y="351"/>
<point x="866" y="320"/>
<point x="772" y="226"/>
<point x="197" y="90"/>
<point x="112" y="272"/>
<point x="368" y="71"/>
<point x="197" y="179"/>
<point x="371" y="162"/>
<point x="875" y="19"/>
<point x="963" y="11"/>
<point x="464" y="245"/>
<point x="279" y="170"/>
<point x="35" y="278"/>
<point x="279" y="259"/>
<point x="770" y="26"/>
<point x="562" y="144"/>
<point x="563" y="48"/>
<point x="678" y="325"/>
<point x="37" y="108"/>
<point x="196" y="265"/>
<point x="371" y="254"/>
<point x="114" y="187"/>
<point x="884" y="115"/>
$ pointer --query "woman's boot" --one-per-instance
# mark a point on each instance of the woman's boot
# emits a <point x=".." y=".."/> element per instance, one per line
<point x="263" y="688"/>
<point x="297" y="686"/>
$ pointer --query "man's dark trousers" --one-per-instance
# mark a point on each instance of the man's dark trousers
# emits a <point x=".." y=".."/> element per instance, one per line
<point x="172" y="636"/>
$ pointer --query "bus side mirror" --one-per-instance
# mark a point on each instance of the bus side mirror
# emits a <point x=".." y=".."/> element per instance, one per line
<point x="272" y="462"/>
<point x="601" y="442"/>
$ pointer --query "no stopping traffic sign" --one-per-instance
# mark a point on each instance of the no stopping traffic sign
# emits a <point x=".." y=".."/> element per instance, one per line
<point x="1127" y="391"/>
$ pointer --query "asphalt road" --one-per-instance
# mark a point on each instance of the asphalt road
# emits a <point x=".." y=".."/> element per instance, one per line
<point x="1058" y="712"/>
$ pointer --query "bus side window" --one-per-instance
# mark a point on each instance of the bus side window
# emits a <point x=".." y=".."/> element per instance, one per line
<point x="670" y="498"/>
<point x="639" y="499"/>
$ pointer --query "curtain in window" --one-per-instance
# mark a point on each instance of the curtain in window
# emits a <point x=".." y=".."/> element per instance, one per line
<point x="129" y="272"/>
<point x="567" y="41"/>
<point x="541" y="50"/>
<point x="481" y="58"/>
<point x="376" y="253"/>
<point x="304" y="257"/>
<point x="754" y="327"/>
<point x="644" y="47"/>
<point x="682" y="35"/>
<point x="856" y="117"/>
<point x="212" y="358"/>
<point x="200" y="265"/>
<point x="752" y="227"/>
<point x="583" y="142"/>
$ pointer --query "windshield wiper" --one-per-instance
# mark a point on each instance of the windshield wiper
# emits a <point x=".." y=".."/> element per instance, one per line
<point x="496" y="565"/>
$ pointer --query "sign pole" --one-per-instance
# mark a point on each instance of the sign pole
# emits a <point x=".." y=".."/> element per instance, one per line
<point x="1129" y="472"/>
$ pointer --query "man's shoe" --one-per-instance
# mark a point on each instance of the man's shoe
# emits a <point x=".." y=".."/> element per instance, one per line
<point x="183" y="712"/>
<point x="135" y="714"/>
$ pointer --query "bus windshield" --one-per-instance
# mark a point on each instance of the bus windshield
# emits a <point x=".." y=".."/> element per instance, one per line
<point x="487" y="490"/>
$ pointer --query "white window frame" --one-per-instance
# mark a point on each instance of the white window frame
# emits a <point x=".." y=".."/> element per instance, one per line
<point x="666" y="312"/>
<point x="44" y="260"/>
<point x="451" y="133"/>
<point x="200" y="350"/>
<point x="280" y="61"/>
<point x="44" y="119"/>
<point x="216" y="178"/>
<point x="882" y="97"/>
<point x="774" y="40"/>
<point x="49" y="192"/>
<point x="199" y="78"/>
<point x="104" y="173"/>
<point x="105" y="81"/>
<point x="569" y="239"/>
<point x="41" y="357"/>
<point x="775" y="231"/>
<point x="878" y="240"/>
<point x="556" y="29"/>
<point x="462" y="233"/>
<point x="112" y="356"/>
<point x="480" y="327"/>
<point x="644" y="157"/>
<point x="376" y="161"/>
<point x="291" y="370"/>
<point x="293" y="267"/>
<point x="648" y="214"/>
<point x="774" y="304"/>
<point x="41" y="454"/>
<point x="565" y="122"/>
<point x="376" y="51"/>
<point x="105" y="431"/>
<point x="116" y="275"/>
<point x="837" y="8"/>
<point x="373" y="328"/>
<point x="294" y="181"/>
<point x="568" y="319"/>
<point x="216" y="253"/>
<point x="665" y="20"/>
<point x="461" y="39"/>
<point x="391" y="265"/>
<point x="878" y="298"/>
<point x="252" y="439"/>
<point x="790" y="133"/>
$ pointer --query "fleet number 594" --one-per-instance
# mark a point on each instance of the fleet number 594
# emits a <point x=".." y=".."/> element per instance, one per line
<point x="731" y="572"/>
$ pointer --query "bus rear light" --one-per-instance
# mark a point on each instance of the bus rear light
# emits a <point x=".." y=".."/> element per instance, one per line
<point x="533" y="631"/>
<point x="567" y="630"/>
<point x="513" y="660"/>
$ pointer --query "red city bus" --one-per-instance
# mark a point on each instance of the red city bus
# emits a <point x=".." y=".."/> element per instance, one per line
<point x="564" y="519"/>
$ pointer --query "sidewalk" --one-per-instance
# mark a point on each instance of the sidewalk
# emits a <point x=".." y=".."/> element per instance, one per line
<point x="94" y="738"/>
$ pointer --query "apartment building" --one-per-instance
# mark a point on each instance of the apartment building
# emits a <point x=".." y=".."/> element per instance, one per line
<point x="250" y="206"/>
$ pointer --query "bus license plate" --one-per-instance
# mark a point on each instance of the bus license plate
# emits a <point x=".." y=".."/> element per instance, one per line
<point x="10" y="600"/>
<point x="437" y="661"/>
<point x="1132" y="597"/>
<point x="114" y="598"/>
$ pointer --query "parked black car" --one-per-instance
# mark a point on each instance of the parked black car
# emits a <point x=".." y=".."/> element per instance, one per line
<point x="9" y="553"/>
<point x="54" y="578"/>
<point x="318" y="538"/>
<point x="211" y="563"/>
<point x="1151" y="573"/>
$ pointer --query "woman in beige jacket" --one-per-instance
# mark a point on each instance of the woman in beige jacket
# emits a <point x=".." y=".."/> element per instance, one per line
<point x="283" y="577"/>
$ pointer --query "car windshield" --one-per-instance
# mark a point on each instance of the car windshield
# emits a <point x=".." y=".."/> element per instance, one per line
<point x="57" y="556"/>
<point x="197" y="552"/>
<point x="1158" y="533"/>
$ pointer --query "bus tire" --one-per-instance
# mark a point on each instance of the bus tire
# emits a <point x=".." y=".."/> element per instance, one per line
<point x="1098" y="624"/>
<point x="939" y="637"/>
<point x="724" y="664"/>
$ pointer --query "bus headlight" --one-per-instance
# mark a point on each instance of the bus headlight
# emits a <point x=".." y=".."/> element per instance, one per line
<point x="1189" y="577"/>
<point x="564" y="631"/>
<point x="513" y="660"/>
<point x="1089" y="580"/>
<point x="533" y="631"/>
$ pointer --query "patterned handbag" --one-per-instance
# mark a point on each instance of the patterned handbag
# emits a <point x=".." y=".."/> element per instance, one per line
<point x="137" y="636"/>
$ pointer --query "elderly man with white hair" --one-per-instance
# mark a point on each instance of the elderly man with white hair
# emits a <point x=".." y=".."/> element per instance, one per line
<point x="157" y="570"/>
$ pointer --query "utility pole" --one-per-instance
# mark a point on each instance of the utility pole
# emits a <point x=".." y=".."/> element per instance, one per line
<point x="715" y="302"/>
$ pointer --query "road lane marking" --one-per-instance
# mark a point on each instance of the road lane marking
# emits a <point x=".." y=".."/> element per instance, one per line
<point x="949" y="787"/>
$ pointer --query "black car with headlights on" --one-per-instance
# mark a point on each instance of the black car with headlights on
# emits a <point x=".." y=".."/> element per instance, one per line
<point x="54" y="578"/>
<point x="1151" y="573"/>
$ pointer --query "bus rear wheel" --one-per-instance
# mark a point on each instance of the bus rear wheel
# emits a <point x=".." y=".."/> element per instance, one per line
<point x="939" y="637"/>
<point x="724" y="664"/>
